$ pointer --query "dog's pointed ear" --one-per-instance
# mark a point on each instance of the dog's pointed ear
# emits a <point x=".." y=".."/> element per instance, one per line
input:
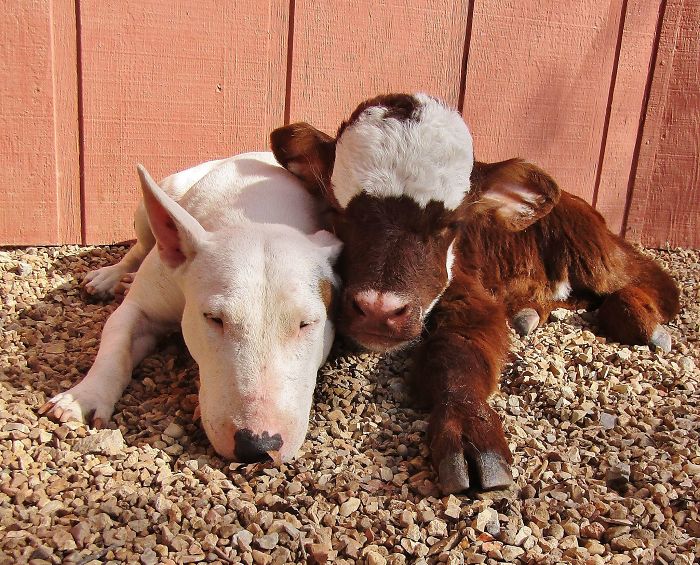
<point x="515" y="192"/>
<point x="308" y="154"/>
<point x="177" y="233"/>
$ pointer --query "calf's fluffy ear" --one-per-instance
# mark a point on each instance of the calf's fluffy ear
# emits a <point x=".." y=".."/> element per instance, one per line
<point x="177" y="233"/>
<point x="517" y="193"/>
<point x="308" y="154"/>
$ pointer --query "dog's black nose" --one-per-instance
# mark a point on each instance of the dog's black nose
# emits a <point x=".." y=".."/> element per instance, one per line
<point x="252" y="448"/>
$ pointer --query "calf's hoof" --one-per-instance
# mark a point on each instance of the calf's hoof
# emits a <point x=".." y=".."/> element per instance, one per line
<point x="494" y="471"/>
<point x="491" y="469"/>
<point x="454" y="473"/>
<point x="526" y="321"/>
<point x="660" y="339"/>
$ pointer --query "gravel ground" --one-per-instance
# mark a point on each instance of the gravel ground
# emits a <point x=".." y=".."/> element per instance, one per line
<point x="607" y="457"/>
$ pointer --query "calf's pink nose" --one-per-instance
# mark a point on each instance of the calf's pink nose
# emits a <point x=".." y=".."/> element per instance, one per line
<point x="385" y="307"/>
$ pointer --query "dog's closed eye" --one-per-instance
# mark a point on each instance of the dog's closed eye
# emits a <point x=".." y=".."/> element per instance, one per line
<point x="214" y="319"/>
<point x="307" y="324"/>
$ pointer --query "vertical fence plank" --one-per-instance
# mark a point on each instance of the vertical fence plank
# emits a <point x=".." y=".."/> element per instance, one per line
<point x="665" y="201"/>
<point x="171" y="84"/>
<point x="538" y="82"/>
<point x="627" y="106"/>
<point x="38" y="120"/>
<point x="66" y="129"/>
<point x="345" y="52"/>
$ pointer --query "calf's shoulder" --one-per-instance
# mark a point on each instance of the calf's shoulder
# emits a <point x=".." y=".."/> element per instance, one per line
<point x="571" y="244"/>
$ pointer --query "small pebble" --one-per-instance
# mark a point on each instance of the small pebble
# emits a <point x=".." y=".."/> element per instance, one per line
<point x="174" y="431"/>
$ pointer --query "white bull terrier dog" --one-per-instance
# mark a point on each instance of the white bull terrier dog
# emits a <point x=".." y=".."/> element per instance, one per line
<point x="242" y="264"/>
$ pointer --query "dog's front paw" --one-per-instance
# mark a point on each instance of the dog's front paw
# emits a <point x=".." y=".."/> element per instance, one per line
<point x="80" y="405"/>
<point x="105" y="282"/>
<point x="124" y="285"/>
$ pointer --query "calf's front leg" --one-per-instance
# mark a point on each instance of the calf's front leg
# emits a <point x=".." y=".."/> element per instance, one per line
<point x="128" y="336"/>
<point x="457" y="368"/>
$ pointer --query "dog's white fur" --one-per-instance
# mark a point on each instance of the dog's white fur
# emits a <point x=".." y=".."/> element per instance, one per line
<point x="243" y="246"/>
<point x="428" y="157"/>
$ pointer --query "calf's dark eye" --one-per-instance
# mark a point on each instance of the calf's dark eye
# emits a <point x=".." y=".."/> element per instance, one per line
<point x="450" y="230"/>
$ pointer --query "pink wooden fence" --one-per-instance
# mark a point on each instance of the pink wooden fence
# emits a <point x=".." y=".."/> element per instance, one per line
<point x="605" y="95"/>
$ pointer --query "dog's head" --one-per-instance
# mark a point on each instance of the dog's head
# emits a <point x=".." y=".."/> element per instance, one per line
<point x="258" y="299"/>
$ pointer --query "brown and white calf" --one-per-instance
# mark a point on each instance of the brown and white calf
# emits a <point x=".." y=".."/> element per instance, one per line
<point x="440" y="251"/>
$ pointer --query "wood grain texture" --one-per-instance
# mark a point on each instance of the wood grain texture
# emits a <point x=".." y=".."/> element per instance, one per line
<point x="538" y="82"/>
<point x="665" y="204"/>
<point x="627" y="106"/>
<point x="38" y="120"/>
<point x="172" y="84"/>
<point x="345" y="52"/>
<point x="66" y="127"/>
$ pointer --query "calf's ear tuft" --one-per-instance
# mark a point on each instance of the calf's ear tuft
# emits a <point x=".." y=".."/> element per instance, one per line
<point x="517" y="193"/>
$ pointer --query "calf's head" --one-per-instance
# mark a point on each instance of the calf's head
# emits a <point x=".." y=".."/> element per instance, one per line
<point x="256" y="320"/>
<point x="400" y="181"/>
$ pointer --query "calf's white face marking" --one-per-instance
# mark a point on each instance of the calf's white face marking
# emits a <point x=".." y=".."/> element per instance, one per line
<point x="562" y="290"/>
<point x="448" y="264"/>
<point x="450" y="261"/>
<point x="427" y="157"/>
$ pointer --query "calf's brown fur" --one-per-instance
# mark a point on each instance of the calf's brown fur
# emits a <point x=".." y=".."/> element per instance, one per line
<point x="516" y="247"/>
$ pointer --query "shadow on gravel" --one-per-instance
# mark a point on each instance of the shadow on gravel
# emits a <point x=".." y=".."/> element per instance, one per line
<point x="60" y="334"/>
